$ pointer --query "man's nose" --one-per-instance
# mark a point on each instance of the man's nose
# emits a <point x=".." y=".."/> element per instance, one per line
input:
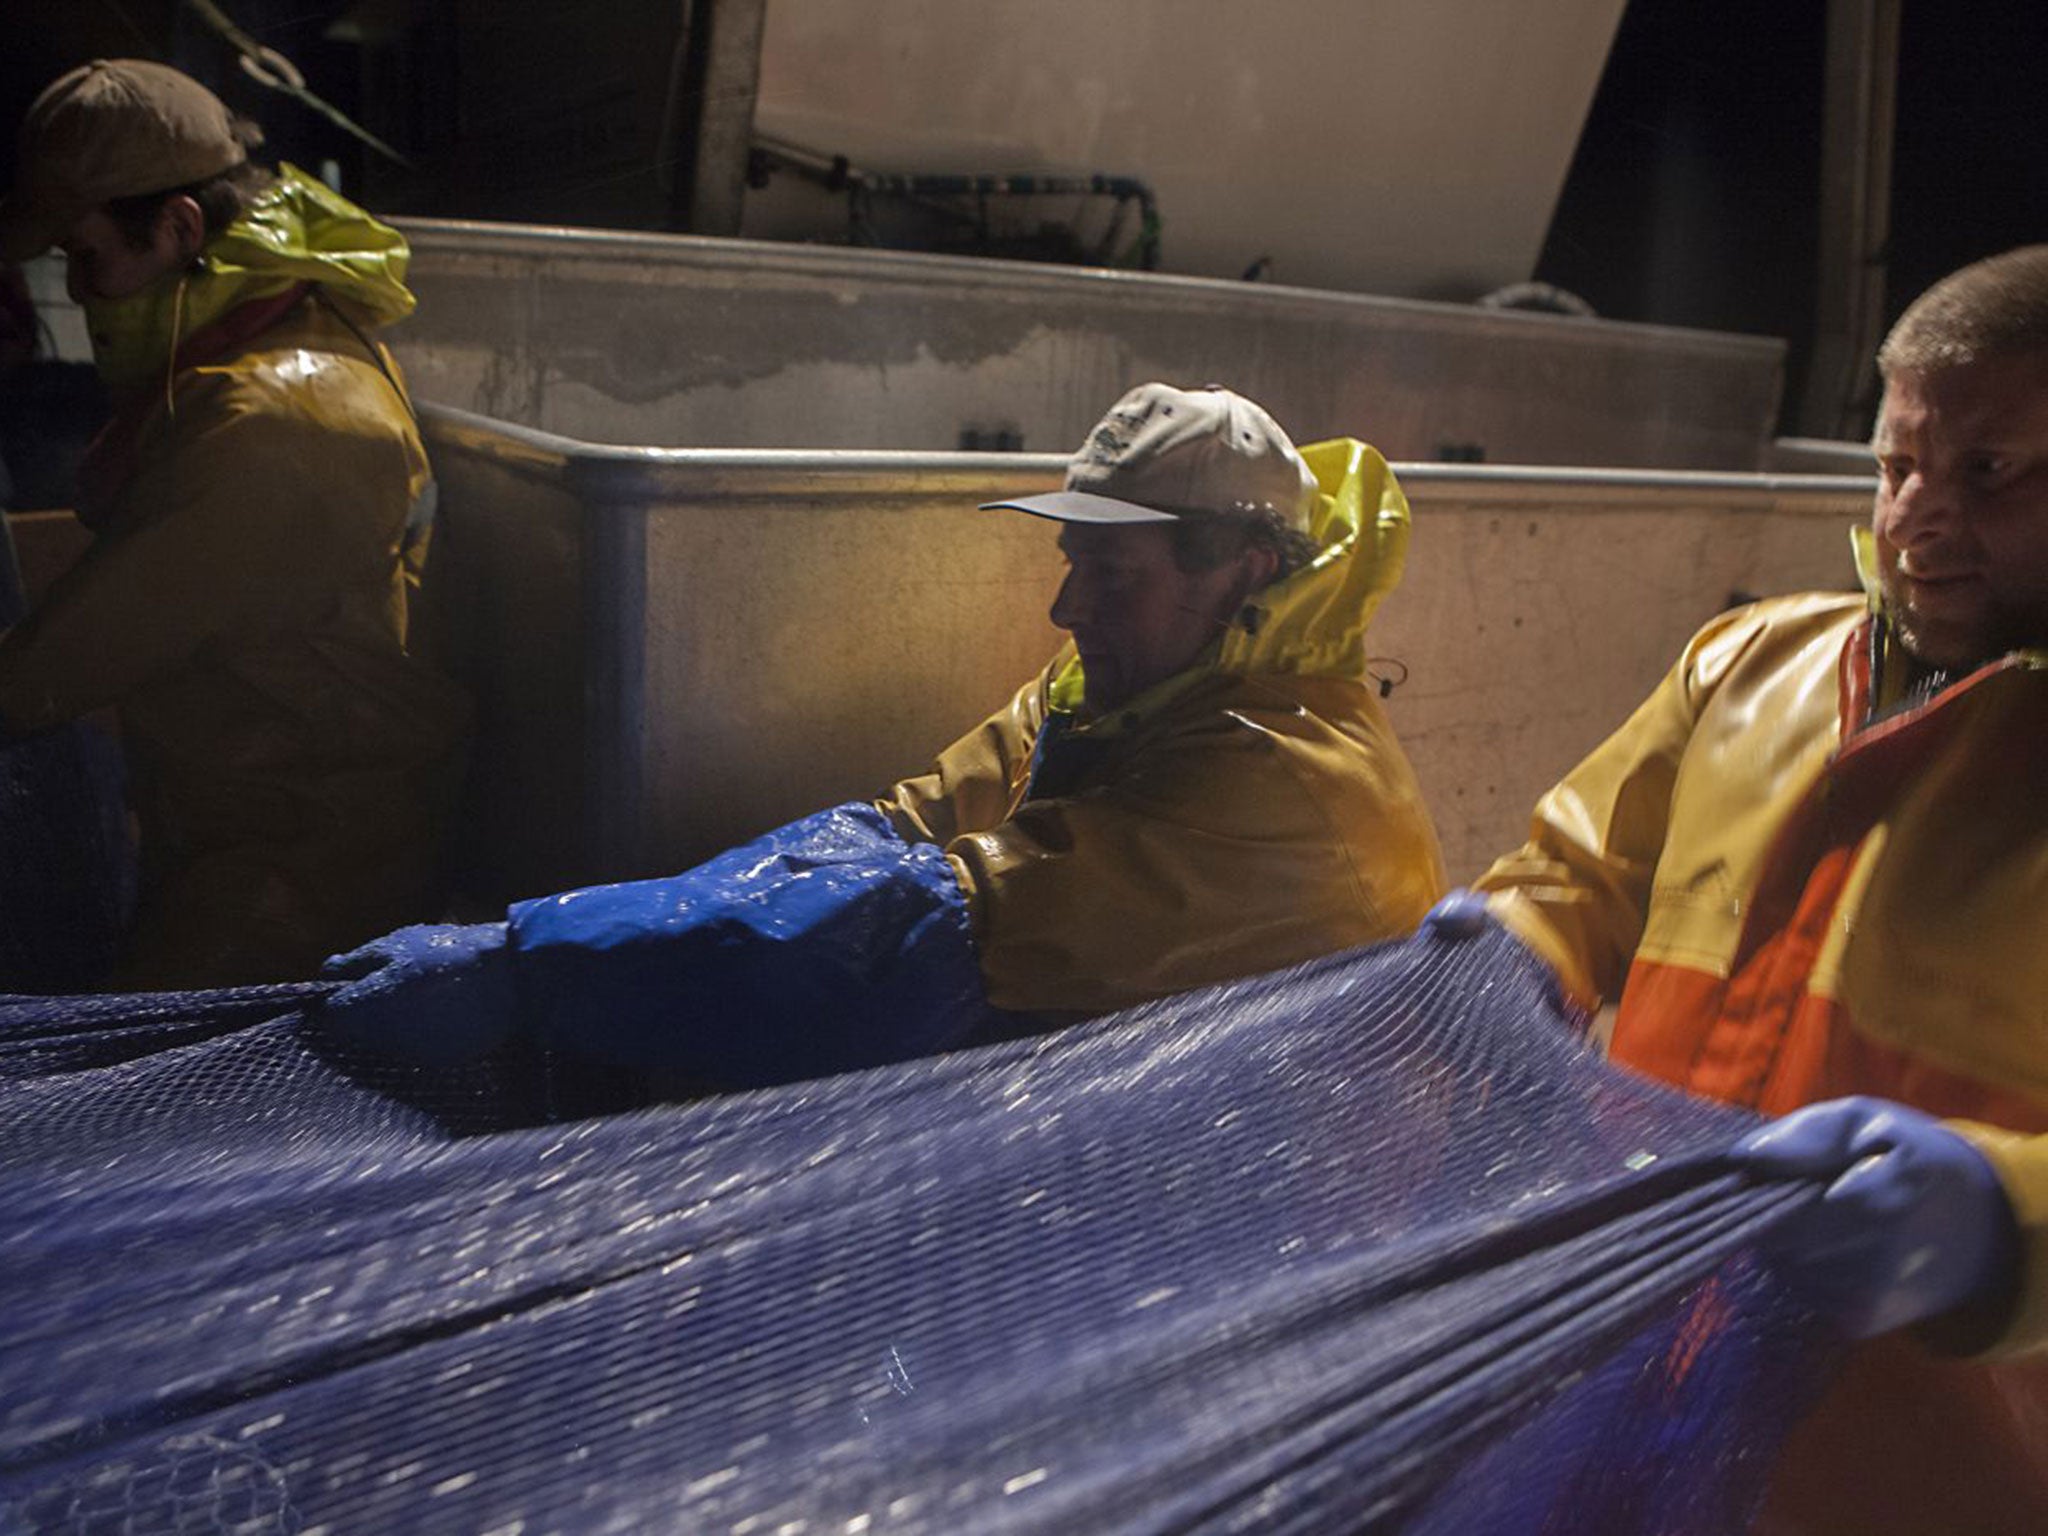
<point x="1919" y="508"/>
<point x="1068" y="604"/>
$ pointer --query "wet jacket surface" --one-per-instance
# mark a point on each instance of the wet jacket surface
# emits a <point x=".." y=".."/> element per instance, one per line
<point x="1252" y="812"/>
<point x="244" y="610"/>
<point x="1801" y="884"/>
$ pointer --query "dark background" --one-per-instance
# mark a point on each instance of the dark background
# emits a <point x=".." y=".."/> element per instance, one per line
<point x="1693" y="199"/>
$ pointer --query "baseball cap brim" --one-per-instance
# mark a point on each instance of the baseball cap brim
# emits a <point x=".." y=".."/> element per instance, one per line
<point x="31" y="224"/>
<point x="1083" y="507"/>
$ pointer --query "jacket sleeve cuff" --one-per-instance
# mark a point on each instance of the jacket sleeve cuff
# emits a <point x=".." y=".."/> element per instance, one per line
<point x="2021" y="1325"/>
<point x="826" y="945"/>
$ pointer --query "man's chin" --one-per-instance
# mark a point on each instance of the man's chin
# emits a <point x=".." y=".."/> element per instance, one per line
<point x="1097" y="702"/>
<point x="1938" y="647"/>
<point x="1957" y="646"/>
<point x="1935" y="640"/>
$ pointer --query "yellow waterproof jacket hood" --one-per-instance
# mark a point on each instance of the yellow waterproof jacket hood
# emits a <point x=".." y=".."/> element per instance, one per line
<point x="295" y="231"/>
<point x="1251" y="812"/>
<point x="299" y="230"/>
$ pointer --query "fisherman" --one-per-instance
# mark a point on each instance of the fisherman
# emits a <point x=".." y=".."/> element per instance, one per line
<point x="260" y="502"/>
<point x="1813" y="867"/>
<point x="1201" y="785"/>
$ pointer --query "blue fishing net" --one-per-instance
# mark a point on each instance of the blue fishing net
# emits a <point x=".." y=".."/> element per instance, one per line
<point x="1373" y="1244"/>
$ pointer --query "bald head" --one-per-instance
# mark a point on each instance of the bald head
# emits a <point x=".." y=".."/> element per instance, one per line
<point x="1993" y="307"/>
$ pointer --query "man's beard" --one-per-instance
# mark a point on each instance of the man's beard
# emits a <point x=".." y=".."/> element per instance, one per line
<point x="1999" y="630"/>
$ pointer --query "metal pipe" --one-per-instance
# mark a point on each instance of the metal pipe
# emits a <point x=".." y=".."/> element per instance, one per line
<point x="1855" y="218"/>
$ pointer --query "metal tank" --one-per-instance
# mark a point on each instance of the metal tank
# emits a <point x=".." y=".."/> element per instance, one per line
<point x="674" y="649"/>
<point x="730" y="343"/>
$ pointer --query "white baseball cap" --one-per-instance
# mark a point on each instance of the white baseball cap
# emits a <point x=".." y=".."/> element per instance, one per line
<point x="1164" y="453"/>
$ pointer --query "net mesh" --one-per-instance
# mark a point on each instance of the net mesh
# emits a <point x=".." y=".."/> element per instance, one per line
<point x="1373" y="1244"/>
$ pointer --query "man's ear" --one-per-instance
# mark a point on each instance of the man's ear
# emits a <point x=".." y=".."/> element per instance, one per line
<point x="1261" y="563"/>
<point x="180" y="222"/>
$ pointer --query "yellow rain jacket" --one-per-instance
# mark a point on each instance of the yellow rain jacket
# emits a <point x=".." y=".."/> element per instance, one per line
<point x="1802" y="884"/>
<point x="1248" y="813"/>
<point x="244" y="609"/>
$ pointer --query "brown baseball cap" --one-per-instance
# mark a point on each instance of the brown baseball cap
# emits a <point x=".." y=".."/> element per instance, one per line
<point x="111" y="128"/>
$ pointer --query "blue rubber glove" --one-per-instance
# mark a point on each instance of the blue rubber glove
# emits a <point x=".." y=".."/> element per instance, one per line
<point x="433" y="995"/>
<point x="1459" y="914"/>
<point x="1914" y="1225"/>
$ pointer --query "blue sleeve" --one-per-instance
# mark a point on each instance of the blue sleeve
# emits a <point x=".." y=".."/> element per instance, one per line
<point x="825" y="945"/>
